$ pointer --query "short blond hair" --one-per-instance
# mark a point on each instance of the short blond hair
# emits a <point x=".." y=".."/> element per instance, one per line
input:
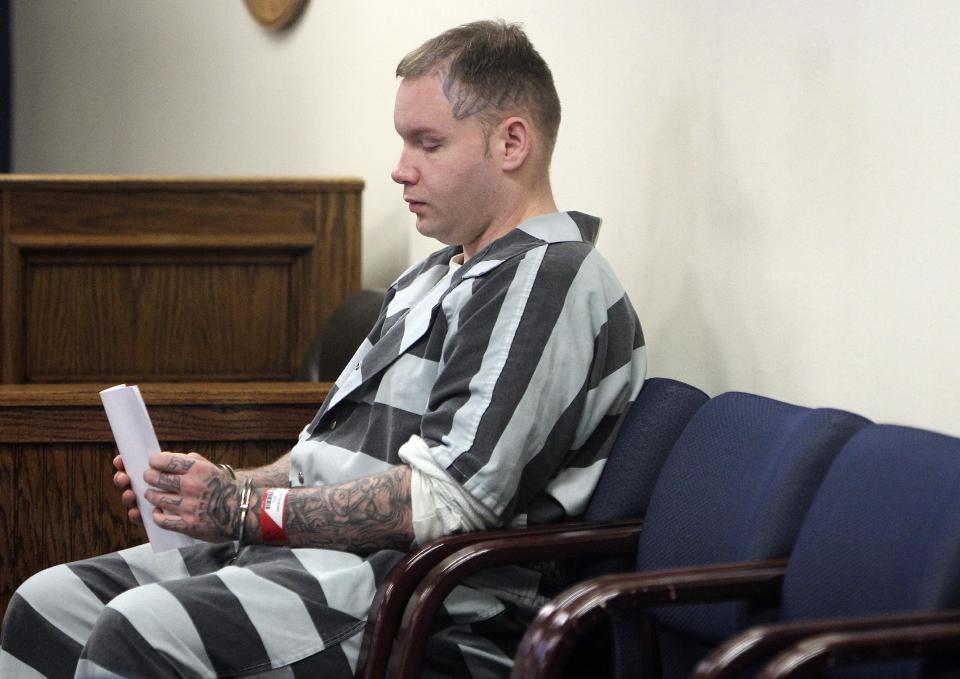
<point x="491" y="69"/>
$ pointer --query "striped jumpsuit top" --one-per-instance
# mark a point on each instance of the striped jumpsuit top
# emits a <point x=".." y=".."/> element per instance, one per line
<point x="514" y="369"/>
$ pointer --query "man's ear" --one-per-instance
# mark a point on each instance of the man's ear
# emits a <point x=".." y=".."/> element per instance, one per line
<point x="515" y="135"/>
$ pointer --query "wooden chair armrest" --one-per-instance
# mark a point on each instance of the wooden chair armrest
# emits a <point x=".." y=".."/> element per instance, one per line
<point x="394" y="593"/>
<point x="547" y="644"/>
<point x="753" y="646"/>
<point x="924" y="635"/>
<point x="573" y="541"/>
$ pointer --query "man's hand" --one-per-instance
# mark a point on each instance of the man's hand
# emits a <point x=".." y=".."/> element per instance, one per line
<point x="191" y="495"/>
<point x="122" y="481"/>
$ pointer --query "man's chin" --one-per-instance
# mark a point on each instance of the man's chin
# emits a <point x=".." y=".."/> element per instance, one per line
<point x="434" y="231"/>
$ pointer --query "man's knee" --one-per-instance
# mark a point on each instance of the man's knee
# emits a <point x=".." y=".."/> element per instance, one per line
<point x="44" y="628"/>
<point x="147" y="626"/>
<point x="115" y="639"/>
<point x="140" y="608"/>
<point x="116" y="648"/>
<point x="59" y="597"/>
<point x="46" y="585"/>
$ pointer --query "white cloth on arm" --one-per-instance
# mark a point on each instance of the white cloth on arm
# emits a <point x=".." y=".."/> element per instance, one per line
<point x="440" y="505"/>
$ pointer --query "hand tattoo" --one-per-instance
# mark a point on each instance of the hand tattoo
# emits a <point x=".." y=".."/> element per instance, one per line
<point x="169" y="482"/>
<point x="180" y="464"/>
<point x="169" y="501"/>
<point x="219" y="503"/>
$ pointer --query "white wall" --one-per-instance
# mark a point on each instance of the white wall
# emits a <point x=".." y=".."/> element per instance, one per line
<point x="779" y="180"/>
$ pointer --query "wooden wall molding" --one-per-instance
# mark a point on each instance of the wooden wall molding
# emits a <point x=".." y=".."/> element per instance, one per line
<point x="167" y="279"/>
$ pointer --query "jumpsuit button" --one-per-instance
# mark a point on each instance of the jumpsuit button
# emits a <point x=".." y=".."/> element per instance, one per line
<point x="300" y="476"/>
<point x="333" y="425"/>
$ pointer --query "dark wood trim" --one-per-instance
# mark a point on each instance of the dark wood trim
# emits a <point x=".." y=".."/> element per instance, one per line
<point x="581" y="540"/>
<point x="550" y="639"/>
<point x="171" y="183"/>
<point x="386" y="613"/>
<point x="69" y="413"/>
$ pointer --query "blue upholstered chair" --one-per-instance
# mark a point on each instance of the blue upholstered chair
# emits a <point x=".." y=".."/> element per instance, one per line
<point x="734" y="489"/>
<point x="661" y="412"/>
<point x="648" y="432"/>
<point x="882" y="538"/>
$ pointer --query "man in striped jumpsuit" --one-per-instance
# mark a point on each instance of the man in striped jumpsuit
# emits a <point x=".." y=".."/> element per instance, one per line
<point x="487" y="394"/>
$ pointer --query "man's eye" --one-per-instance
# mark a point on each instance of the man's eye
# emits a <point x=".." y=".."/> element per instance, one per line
<point x="430" y="146"/>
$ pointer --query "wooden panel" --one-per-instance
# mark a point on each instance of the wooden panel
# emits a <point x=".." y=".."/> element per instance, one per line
<point x="11" y="304"/>
<point x="29" y="519"/>
<point x="135" y="211"/>
<point x="9" y="535"/>
<point x="133" y="321"/>
<point x="53" y="501"/>
<point x="133" y="279"/>
<point x="57" y="500"/>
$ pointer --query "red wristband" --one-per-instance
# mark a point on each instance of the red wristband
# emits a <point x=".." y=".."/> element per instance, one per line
<point x="272" y="506"/>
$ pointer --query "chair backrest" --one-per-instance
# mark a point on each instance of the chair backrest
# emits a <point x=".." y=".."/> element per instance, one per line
<point x="736" y="487"/>
<point x="883" y="532"/>
<point x="648" y="432"/>
<point x="339" y="336"/>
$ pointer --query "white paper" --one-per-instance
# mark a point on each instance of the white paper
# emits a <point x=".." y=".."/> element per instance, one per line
<point x="136" y="440"/>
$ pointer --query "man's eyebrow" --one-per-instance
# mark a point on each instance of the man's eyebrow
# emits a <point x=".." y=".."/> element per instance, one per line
<point x="421" y="132"/>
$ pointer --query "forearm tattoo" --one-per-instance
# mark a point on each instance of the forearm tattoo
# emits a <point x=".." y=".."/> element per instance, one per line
<point x="359" y="516"/>
<point x="272" y="475"/>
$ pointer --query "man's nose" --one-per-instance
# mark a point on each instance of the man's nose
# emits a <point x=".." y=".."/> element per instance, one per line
<point x="403" y="173"/>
